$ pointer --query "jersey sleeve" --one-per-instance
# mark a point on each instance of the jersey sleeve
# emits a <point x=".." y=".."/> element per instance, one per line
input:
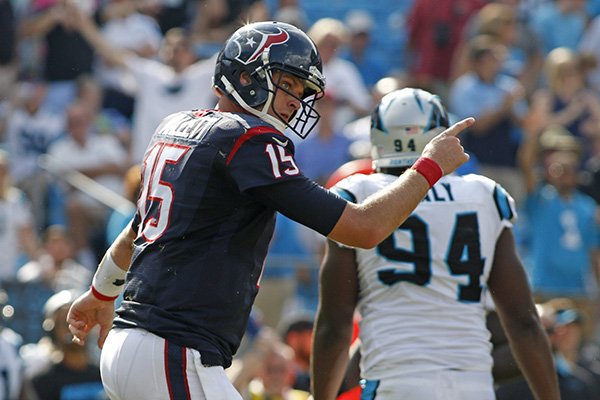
<point x="305" y="202"/>
<point x="498" y="200"/>
<point x="352" y="188"/>
<point x="261" y="157"/>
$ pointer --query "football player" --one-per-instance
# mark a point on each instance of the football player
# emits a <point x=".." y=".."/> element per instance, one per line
<point x="212" y="181"/>
<point x="421" y="292"/>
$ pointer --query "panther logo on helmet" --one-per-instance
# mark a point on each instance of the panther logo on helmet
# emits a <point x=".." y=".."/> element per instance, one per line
<point x="261" y="40"/>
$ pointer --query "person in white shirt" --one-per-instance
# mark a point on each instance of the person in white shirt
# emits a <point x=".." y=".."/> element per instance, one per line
<point x="99" y="157"/>
<point x="178" y="81"/>
<point x="127" y="25"/>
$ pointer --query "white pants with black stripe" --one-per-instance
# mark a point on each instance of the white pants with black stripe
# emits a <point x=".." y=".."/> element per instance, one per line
<point x="138" y="365"/>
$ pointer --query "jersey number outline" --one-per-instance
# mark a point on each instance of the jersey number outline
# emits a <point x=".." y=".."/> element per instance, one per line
<point x="280" y="157"/>
<point x="463" y="255"/>
<point x="156" y="189"/>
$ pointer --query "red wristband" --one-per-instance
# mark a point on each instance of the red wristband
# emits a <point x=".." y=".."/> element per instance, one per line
<point x="429" y="169"/>
<point x="100" y="296"/>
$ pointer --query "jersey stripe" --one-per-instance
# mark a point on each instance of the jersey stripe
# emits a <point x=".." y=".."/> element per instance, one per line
<point x="344" y="194"/>
<point x="175" y="370"/>
<point x="249" y="134"/>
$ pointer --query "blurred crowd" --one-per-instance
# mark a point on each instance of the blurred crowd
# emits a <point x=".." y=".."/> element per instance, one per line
<point x="83" y="84"/>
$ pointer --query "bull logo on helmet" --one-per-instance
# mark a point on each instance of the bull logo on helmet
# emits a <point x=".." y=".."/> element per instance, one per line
<point x="253" y="43"/>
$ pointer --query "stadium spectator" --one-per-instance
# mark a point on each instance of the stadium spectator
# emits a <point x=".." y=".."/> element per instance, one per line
<point x="559" y="23"/>
<point x="575" y="382"/>
<point x="267" y="371"/>
<point x="343" y="78"/>
<point x="297" y="333"/>
<point x="70" y="372"/>
<point x="171" y="13"/>
<point x="56" y="267"/>
<point x="590" y="173"/>
<point x="291" y="12"/>
<point x="126" y="25"/>
<point x="498" y="102"/>
<point x="31" y="130"/>
<point x="434" y="30"/>
<point x="567" y="339"/>
<point x="38" y="279"/>
<point x="565" y="99"/>
<point x="66" y="55"/>
<point x="590" y="45"/>
<point x="8" y="50"/>
<point x="502" y="21"/>
<point x="563" y="229"/>
<point x="178" y="81"/>
<point x="217" y="20"/>
<point x="98" y="157"/>
<point x="105" y="121"/>
<point x="359" y="49"/>
<point x="18" y="234"/>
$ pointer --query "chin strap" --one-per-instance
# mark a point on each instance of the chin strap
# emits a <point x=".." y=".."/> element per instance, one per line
<point x="279" y="125"/>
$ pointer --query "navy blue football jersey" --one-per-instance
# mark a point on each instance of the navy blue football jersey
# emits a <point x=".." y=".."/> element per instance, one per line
<point x="211" y="184"/>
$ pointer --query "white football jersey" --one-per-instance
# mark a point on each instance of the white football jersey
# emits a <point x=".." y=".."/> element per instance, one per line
<point x="422" y="290"/>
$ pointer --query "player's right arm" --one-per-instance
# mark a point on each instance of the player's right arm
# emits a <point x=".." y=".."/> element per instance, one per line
<point x="338" y="295"/>
<point x="95" y="307"/>
<point x="368" y="223"/>
<point x="514" y="303"/>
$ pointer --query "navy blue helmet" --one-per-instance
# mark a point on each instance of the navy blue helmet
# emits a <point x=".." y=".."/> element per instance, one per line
<point x="260" y="49"/>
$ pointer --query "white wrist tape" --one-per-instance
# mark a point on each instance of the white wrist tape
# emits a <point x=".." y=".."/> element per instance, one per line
<point x="108" y="279"/>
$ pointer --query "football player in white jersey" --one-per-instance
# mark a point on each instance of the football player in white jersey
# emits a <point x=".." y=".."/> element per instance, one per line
<point x="421" y="292"/>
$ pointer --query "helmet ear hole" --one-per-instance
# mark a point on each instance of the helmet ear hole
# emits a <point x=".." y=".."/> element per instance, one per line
<point x="245" y="79"/>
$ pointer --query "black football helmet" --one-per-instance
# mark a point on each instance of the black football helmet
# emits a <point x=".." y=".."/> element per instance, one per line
<point x="259" y="49"/>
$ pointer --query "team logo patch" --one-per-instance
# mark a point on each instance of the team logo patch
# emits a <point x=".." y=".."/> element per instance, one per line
<point x="253" y="42"/>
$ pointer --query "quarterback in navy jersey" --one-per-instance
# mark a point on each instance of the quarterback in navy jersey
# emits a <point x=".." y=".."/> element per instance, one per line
<point x="202" y="240"/>
<point x="212" y="181"/>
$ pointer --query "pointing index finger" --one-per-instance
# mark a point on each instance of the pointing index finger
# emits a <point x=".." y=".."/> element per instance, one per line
<point x="460" y="126"/>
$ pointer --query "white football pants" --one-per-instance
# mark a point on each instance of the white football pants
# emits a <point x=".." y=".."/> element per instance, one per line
<point x="435" y="385"/>
<point x="138" y="365"/>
